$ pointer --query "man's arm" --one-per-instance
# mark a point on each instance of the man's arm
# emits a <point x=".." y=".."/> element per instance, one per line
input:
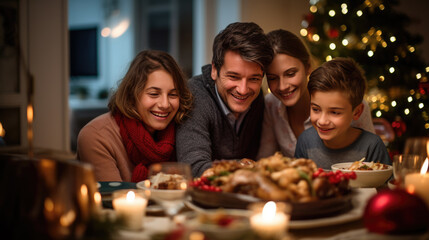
<point x="193" y="141"/>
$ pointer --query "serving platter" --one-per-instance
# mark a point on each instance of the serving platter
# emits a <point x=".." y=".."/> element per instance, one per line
<point x="304" y="210"/>
<point x="359" y="197"/>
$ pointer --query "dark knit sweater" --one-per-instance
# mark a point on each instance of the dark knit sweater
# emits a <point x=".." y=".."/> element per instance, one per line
<point x="207" y="134"/>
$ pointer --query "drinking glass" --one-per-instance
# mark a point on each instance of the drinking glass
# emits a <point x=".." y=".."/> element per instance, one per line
<point x="404" y="164"/>
<point x="169" y="183"/>
<point x="417" y="146"/>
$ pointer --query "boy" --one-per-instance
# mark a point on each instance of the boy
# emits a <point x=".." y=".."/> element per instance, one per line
<point x="337" y="89"/>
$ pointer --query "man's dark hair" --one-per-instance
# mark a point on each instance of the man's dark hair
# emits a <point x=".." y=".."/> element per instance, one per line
<point x="246" y="39"/>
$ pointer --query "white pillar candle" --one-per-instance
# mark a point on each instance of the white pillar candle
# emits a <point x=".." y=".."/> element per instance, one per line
<point x="131" y="207"/>
<point x="269" y="223"/>
<point x="418" y="183"/>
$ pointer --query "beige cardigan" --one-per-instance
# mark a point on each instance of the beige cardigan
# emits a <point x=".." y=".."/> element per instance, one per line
<point x="100" y="144"/>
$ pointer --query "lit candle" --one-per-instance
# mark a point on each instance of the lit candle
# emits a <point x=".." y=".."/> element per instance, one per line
<point x="418" y="183"/>
<point x="131" y="207"/>
<point x="269" y="223"/>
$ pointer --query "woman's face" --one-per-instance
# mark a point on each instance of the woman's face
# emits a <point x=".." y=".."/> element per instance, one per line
<point x="159" y="101"/>
<point x="287" y="79"/>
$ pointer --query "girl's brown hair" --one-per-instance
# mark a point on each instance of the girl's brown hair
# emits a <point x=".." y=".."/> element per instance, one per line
<point x="124" y="99"/>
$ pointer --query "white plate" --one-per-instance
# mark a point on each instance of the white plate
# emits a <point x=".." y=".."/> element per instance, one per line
<point x="359" y="200"/>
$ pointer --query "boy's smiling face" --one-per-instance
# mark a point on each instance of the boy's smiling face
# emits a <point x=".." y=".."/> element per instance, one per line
<point x="331" y="115"/>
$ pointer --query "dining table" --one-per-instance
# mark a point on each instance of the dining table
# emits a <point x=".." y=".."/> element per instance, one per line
<point x="346" y="225"/>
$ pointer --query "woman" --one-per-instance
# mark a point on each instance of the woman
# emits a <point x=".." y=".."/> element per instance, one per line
<point x="139" y="128"/>
<point x="287" y="107"/>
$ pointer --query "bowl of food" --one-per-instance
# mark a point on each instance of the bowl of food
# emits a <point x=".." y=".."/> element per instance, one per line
<point x="368" y="174"/>
<point x="220" y="223"/>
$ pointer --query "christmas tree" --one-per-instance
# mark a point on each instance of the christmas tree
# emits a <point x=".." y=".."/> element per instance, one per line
<point x="374" y="33"/>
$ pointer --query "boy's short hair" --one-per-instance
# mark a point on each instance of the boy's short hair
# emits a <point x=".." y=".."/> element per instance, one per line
<point x="339" y="74"/>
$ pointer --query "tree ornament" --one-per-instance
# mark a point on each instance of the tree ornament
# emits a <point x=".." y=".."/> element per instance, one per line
<point x="396" y="212"/>
<point x="333" y="33"/>
<point x="399" y="126"/>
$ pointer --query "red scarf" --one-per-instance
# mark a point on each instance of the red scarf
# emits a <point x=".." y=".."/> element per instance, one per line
<point x="142" y="149"/>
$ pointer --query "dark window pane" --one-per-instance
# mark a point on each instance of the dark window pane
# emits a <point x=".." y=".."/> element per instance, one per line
<point x="159" y="31"/>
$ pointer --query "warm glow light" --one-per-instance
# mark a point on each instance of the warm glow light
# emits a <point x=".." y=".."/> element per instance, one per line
<point x="84" y="190"/>
<point x="370" y="53"/>
<point x="381" y="78"/>
<point x="427" y="69"/>
<point x="407" y="111"/>
<point x="328" y="58"/>
<point x="343" y="27"/>
<point x="2" y="131"/>
<point x="392" y="38"/>
<point x="344" y="10"/>
<point x="303" y="32"/>
<point x="105" y="32"/>
<point x="331" y="13"/>
<point x="120" y="29"/>
<point x="332" y="46"/>
<point x="411" y="48"/>
<point x="424" y="168"/>
<point x="426" y="125"/>
<point x="418" y="75"/>
<point x="345" y="42"/>
<point x="313" y="9"/>
<point x="97" y="197"/>
<point x="364" y="39"/>
<point x="410" y="99"/>
<point x="131" y="196"/>
<point x="68" y="218"/>
<point x="183" y="185"/>
<point x="421" y="105"/>
<point x="393" y="104"/>
<point x="381" y="6"/>
<point x="269" y="211"/>
<point x="384" y="44"/>
<point x="316" y="37"/>
<point x="391" y="69"/>
<point x="30" y="113"/>
<point x="343" y="5"/>
<point x="49" y="205"/>
<point x="378" y="114"/>
<point x="359" y="13"/>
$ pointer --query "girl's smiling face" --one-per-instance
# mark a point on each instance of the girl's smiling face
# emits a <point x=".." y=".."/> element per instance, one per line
<point x="158" y="102"/>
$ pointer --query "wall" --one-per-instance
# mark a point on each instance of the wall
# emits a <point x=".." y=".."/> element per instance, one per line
<point x="47" y="45"/>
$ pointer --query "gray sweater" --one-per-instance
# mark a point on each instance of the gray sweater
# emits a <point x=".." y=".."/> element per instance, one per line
<point x="207" y="134"/>
<point x="367" y="145"/>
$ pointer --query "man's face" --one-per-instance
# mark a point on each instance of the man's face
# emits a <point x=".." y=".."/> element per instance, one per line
<point x="238" y="82"/>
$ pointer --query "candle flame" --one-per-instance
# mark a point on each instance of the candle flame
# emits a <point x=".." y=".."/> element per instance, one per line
<point x="130" y="196"/>
<point x="424" y="168"/>
<point x="269" y="210"/>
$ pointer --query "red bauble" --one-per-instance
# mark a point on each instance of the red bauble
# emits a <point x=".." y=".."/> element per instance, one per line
<point x="396" y="212"/>
<point x="333" y="33"/>
<point x="399" y="126"/>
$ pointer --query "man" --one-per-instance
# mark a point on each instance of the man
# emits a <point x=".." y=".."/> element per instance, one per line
<point x="226" y="119"/>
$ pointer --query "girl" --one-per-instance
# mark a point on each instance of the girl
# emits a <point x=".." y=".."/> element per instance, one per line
<point x="139" y="128"/>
